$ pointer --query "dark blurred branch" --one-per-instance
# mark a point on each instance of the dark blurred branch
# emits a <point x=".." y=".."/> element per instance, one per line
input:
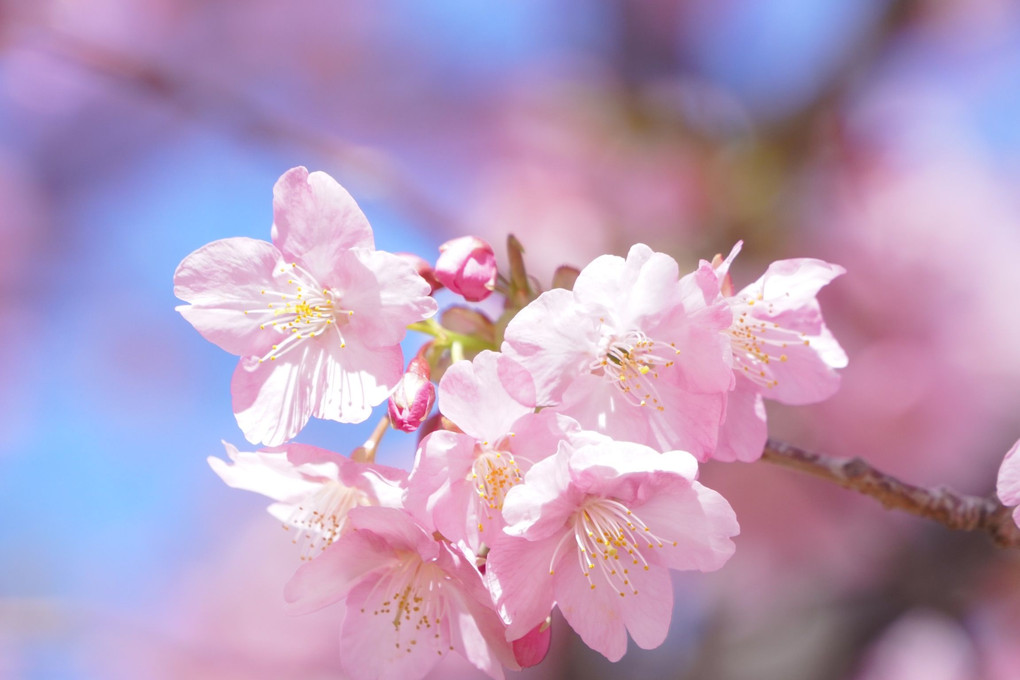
<point x="952" y="509"/>
<point x="214" y="101"/>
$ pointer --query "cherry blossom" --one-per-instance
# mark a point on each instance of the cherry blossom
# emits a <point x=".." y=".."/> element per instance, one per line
<point x="410" y="600"/>
<point x="631" y="351"/>
<point x="314" y="489"/>
<point x="594" y="530"/>
<point x="316" y="316"/>
<point x="460" y="479"/>
<point x="781" y="347"/>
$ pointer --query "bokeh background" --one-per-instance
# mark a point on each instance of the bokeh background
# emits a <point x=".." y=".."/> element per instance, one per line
<point x="879" y="134"/>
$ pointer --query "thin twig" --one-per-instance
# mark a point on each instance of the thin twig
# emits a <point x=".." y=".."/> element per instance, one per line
<point x="952" y="509"/>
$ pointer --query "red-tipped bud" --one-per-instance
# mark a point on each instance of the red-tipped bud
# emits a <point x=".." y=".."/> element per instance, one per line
<point x="423" y="268"/>
<point x="467" y="266"/>
<point x="532" y="648"/>
<point x="413" y="397"/>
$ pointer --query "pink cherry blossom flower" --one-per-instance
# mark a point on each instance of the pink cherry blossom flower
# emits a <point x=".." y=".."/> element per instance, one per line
<point x="632" y="351"/>
<point x="781" y="347"/>
<point x="460" y="479"/>
<point x="595" y="530"/>
<point x="467" y="266"/>
<point x="316" y="316"/>
<point x="314" y="489"/>
<point x="1008" y="485"/>
<point x="413" y="398"/>
<point x="410" y="600"/>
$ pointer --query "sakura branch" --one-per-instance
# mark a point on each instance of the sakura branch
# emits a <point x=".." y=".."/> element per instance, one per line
<point x="945" y="506"/>
<point x="561" y="469"/>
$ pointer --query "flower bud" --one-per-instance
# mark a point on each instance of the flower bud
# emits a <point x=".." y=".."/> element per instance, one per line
<point x="467" y="266"/>
<point x="413" y="397"/>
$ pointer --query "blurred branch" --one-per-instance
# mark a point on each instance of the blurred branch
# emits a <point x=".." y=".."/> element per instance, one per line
<point x="208" y="100"/>
<point x="952" y="509"/>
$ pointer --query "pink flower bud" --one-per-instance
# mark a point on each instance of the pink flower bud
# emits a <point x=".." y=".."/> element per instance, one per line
<point x="423" y="268"/>
<point x="413" y="397"/>
<point x="532" y="648"/>
<point x="467" y="266"/>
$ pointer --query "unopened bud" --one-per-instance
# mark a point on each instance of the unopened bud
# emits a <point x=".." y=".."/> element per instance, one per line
<point x="467" y="266"/>
<point x="413" y="397"/>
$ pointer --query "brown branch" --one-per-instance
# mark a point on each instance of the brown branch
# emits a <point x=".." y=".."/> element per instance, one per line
<point x="952" y="509"/>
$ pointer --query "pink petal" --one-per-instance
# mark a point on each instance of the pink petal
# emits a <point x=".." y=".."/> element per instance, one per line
<point x="540" y="506"/>
<point x="372" y="648"/>
<point x="743" y="433"/>
<point x="517" y="571"/>
<point x="593" y="613"/>
<point x="315" y="220"/>
<point x="350" y="380"/>
<point x="397" y="527"/>
<point x="698" y="519"/>
<point x="704" y="360"/>
<point x="384" y="292"/>
<point x="272" y="400"/>
<point x="1008" y="486"/>
<point x="647" y="614"/>
<point x="791" y="283"/>
<point x="438" y="491"/>
<point x="538" y="435"/>
<point x="532" y="649"/>
<point x="690" y="424"/>
<point x="472" y="395"/>
<point x="555" y="340"/>
<point x="626" y="471"/>
<point x="266" y="472"/>
<point x="328" y="578"/>
<point x="476" y="631"/>
<point x="222" y="281"/>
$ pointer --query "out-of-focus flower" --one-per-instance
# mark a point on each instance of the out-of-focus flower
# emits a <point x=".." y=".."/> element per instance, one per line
<point x="316" y="316"/>
<point x="314" y="489"/>
<point x="460" y="479"/>
<point x="595" y="530"/>
<point x="1008" y="485"/>
<point x="922" y="645"/>
<point x="467" y="266"/>
<point x="409" y="599"/>
<point x="630" y="352"/>
<point x="413" y="398"/>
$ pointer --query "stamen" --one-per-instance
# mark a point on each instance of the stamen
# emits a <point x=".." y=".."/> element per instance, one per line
<point x="494" y="472"/>
<point x="302" y="311"/>
<point x="632" y="362"/>
<point x="321" y="519"/>
<point x="612" y="540"/>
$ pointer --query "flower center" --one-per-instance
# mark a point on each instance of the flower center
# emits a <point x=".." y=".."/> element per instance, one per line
<point x="632" y="361"/>
<point x="300" y="310"/>
<point x="493" y="472"/>
<point x="610" y="541"/>
<point x="413" y="597"/>
<point x="757" y="343"/>
<point x="321" y="518"/>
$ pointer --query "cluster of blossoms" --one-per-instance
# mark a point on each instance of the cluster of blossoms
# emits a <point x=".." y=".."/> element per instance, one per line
<point x="561" y="468"/>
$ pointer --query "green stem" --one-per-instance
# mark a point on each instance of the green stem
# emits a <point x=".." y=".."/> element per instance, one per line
<point x="447" y="338"/>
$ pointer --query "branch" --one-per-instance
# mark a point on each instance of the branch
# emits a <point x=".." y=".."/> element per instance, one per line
<point x="952" y="509"/>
